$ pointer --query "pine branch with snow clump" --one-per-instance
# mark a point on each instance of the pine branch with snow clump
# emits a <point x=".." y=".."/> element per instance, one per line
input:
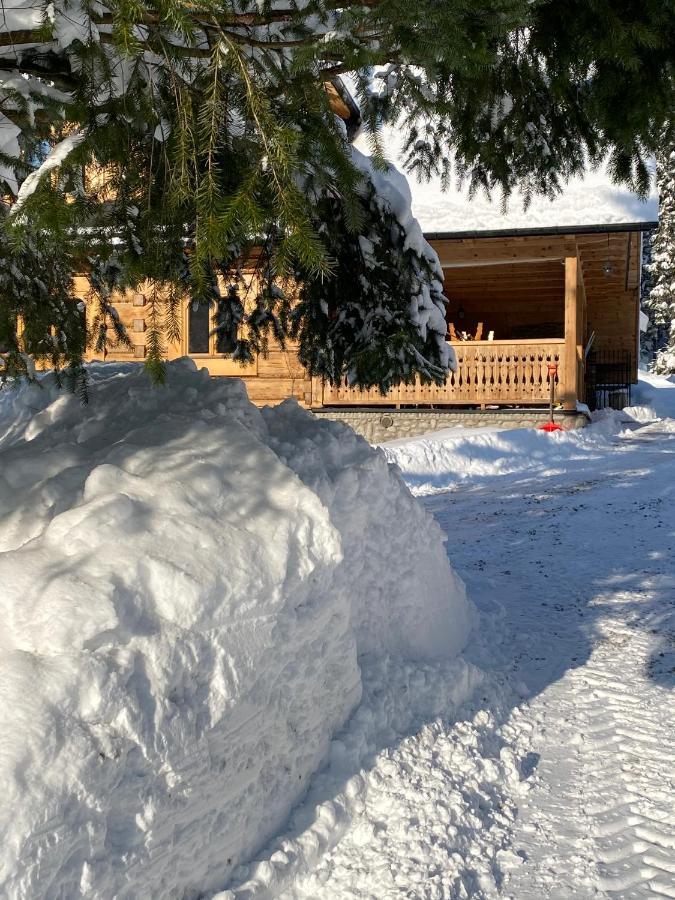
<point x="214" y="123"/>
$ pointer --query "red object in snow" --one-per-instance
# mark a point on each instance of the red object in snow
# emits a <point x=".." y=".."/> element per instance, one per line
<point x="551" y="425"/>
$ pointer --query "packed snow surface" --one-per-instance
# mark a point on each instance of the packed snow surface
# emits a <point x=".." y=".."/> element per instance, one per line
<point x="194" y="596"/>
<point x="554" y="779"/>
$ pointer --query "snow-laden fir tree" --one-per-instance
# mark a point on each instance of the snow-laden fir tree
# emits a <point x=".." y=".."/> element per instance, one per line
<point x="650" y="339"/>
<point x="169" y="141"/>
<point x="661" y="300"/>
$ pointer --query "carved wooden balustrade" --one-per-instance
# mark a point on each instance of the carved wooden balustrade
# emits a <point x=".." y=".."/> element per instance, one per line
<point x="488" y="372"/>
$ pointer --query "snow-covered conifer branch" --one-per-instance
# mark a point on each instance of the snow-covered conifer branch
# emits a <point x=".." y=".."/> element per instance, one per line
<point x="213" y="120"/>
<point x="56" y="157"/>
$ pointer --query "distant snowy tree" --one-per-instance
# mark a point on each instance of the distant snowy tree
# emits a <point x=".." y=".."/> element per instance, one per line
<point x="650" y="339"/>
<point x="170" y="139"/>
<point x="661" y="302"/>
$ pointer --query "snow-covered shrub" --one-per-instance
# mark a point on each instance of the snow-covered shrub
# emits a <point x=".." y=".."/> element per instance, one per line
<point x="186" y="585"/>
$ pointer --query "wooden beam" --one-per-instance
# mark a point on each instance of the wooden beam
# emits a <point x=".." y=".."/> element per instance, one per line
<point x="573" y="314"/>
<point x="634" y="253"/>
<point x="519" y="278"/>
<point x="498" y="251"/>
<point x="317" y="393"/>
<point x="478" y="262"/>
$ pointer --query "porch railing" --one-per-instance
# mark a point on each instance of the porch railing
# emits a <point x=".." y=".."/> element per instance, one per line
<point x="489" y="372"/>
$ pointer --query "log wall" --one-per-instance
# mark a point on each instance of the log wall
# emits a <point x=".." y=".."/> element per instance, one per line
<point x="514" y="286"/>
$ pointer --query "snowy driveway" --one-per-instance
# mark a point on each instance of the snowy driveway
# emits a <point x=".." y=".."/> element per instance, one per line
<point x="557" y="778"/>
<point x="581" y="564"/>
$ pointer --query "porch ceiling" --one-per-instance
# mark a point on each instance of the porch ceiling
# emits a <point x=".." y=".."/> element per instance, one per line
<point x="610" y="263"/>
<point x="530" y="267"/>
<point x="511" y="281"/>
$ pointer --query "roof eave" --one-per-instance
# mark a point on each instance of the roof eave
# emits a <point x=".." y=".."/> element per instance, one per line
<point x="533" y="232"/>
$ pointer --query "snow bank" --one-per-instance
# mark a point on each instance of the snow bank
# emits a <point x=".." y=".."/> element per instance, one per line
<point x="442" y="460"/>
<point x="400" y="700"/>
<point x="186" y="586"/>
<point x="370" y="506"/>
<point x="652" y="398"/>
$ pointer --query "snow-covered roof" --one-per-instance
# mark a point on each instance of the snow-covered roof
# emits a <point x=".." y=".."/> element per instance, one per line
<point x="592" y="200"/>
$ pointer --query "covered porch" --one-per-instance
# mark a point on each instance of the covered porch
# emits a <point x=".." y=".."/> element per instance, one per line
<point x="518" y="303"/>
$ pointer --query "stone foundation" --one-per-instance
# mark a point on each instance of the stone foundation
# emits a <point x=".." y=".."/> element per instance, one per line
<point x="379" y="425"/>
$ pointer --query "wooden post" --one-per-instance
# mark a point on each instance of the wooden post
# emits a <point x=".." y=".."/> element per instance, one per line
<point x="573" y="322"/>
<point x="582" y="327"/>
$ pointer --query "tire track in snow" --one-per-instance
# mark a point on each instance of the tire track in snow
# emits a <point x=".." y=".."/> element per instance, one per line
<point x="600" y="818"/>
<point x="629" y="766"/>
<point x="602" y="821"/>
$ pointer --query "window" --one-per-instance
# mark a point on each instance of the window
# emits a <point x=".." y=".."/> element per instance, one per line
<point x="199" y="326"/>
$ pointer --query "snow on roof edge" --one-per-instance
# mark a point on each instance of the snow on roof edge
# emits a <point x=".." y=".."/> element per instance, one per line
<point x="587" y="202"/>
<point x="541" y="230"/>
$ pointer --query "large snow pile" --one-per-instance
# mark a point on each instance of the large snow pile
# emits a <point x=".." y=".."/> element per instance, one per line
<point x="186" y="585"/>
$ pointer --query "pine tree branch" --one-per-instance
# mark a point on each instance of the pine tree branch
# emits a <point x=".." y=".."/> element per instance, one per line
<point x="200" y="15"/>
<point x="245" y="39"/>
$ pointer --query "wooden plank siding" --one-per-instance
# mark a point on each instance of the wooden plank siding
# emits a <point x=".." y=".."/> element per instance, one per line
<point x="541" y="296"/>
<point x="613" y="296"/>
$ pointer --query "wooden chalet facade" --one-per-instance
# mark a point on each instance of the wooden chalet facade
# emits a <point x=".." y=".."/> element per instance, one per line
<point x="556" y="282"/>
<point x="530" y="298"/>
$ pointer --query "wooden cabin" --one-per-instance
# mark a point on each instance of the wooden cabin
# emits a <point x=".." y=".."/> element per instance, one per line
<point x="556" y="282"/>
<point x="517" y="302"/>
